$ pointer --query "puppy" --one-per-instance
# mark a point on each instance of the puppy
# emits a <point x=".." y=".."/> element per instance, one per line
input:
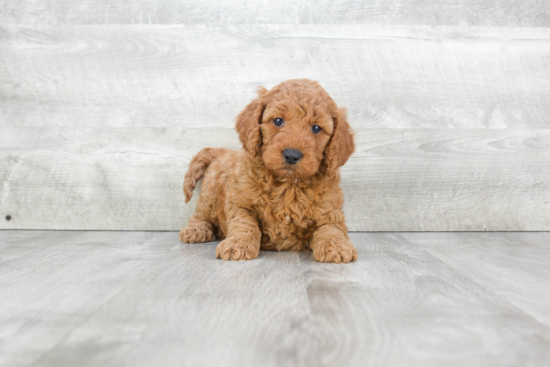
<point x="281" y="192"/>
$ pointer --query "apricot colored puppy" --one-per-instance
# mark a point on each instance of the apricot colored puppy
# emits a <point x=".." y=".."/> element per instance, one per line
<point x="281" y="192"/>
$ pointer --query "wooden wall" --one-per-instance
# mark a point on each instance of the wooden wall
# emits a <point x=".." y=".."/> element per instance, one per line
<point x="102" y="105"/>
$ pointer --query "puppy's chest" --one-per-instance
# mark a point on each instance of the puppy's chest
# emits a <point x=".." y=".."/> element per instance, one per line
<point x="287" y="213"/>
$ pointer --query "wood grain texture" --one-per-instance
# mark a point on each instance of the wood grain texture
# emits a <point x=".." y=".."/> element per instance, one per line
<point x="199" y="75"/>
<point x="528" y="13"/>
<point x="138" y="299"/>
<point x="99" y="122"/>
<point x="523" y="281"/>
<point x="54" y="280"/>
<point x="131" y="178"/>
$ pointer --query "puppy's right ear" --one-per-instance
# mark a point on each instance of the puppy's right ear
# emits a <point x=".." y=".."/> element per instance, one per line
<point x="248" y="124"/>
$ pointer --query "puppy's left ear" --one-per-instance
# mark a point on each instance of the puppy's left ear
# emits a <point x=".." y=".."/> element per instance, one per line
<point x="341" y="145"/>
<point x="248" y="124"/>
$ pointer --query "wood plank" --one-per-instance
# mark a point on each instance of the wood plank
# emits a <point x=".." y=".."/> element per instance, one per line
<point x="199" y="75"/>
<point x="410" y="180"/>
<point x="99" y="122"/>
<point x="99" y="178"/>
<point x="528" y="13"/>
<point x="512" y="265"/>
<point x="195" y="288"/>
<point x="51" y="290"/>
<point x="399" y="305"/>
<point x="449" y="180"/>
<point x="139" y="299"/>
<point x="17" y="244"/>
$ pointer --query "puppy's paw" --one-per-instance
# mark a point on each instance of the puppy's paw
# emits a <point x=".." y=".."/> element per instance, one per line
<point x="197" y="233"/>
<point x="334" y="251"/>
<point x="234" y="248"/>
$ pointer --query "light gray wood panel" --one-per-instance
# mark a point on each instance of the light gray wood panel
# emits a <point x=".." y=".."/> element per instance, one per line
<point x="528" y="13"/>
<point x="512" y="265"/>
<point x="203" y="75"/>
<point x="400" y="306"/>
<point x="49" y="291"/>
<point x="16" y="244"/>
<point x="141" y="299"/>
<point x="99" y="178"/>
<point x="449" y="180"/>
<point x="191" y="309"/>
<point x="411" y="180"/>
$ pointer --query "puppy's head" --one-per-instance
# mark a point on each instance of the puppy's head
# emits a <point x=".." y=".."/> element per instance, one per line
<point x="297" y="130"/>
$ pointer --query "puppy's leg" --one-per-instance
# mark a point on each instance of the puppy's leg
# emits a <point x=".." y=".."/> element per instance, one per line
<point x="197" y="231"/>
<point x="330" y="244"/>
<point x="243" y="238"/>
<point x="214" y="164"/>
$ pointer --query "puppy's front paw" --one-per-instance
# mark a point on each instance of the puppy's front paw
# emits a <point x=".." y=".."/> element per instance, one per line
<point x="235" y="248"/>
<point x="334" y="251"/>
<point x="196" y="233"/>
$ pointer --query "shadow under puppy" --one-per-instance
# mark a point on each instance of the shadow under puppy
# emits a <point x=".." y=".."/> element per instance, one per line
<point x="281" y="192"/>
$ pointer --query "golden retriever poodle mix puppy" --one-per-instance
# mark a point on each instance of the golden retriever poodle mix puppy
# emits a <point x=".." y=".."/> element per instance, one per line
<point x="281" y="192"/>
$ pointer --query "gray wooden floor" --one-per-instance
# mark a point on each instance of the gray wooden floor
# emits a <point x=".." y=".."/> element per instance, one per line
<point x="145" y="299"/>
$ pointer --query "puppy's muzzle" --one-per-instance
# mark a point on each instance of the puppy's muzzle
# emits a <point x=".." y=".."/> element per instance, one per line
<point x="292" y="156"/>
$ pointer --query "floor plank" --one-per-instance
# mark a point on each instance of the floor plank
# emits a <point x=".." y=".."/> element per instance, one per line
<point x="190" y="309"/>
<point x="400" y="305"/>
<point x="142" y="298"/>
<point x="515" y="266"/>
<point x="49" y="290"/>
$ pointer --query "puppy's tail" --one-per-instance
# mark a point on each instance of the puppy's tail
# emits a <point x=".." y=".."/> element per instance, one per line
<point x="197" y="167"/>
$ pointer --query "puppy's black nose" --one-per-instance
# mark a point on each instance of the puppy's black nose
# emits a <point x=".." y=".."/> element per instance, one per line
<point x="292" y="156"/>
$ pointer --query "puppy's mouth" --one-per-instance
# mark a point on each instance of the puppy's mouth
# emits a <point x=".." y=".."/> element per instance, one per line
<point x="289" y="171"/>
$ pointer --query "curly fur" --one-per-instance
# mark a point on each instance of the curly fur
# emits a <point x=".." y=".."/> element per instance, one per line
<point x="254" y="200"/>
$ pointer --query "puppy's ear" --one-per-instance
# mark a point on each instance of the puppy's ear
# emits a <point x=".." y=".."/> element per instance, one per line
<point x="248" y="124"/>
<point x="341" y="145"/>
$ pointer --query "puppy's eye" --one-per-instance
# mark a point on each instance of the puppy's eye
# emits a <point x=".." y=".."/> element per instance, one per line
<point x="316" y="129"/>
<point x="278" y="122"/>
